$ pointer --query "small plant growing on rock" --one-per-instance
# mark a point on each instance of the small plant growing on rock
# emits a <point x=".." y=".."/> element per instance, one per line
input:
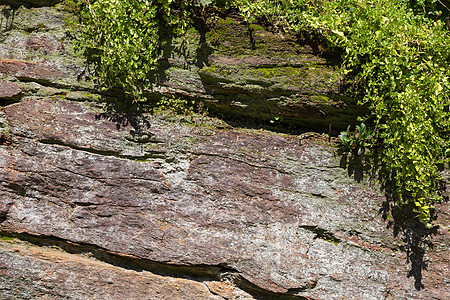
<point x="356" y="142"/>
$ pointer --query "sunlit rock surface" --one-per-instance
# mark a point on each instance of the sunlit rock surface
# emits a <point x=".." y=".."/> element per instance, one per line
<point x="106" y="204"/>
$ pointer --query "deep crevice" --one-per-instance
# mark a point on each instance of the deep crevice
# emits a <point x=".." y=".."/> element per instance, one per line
<point x="3" y="216"/>
<point x="11" y="100"/>
<point x="149" y="155"/>
<point x="322" y="234"/>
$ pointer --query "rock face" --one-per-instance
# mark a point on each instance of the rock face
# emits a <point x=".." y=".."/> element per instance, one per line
<point x="8" y="89"/>
<point x="277" y="217"/>
<point x="253" y="73"/>
<point x="239" y="73"/>
<point x="108" y="205"/>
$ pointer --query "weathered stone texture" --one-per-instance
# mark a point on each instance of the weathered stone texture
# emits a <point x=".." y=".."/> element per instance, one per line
<point x="280" y="215"/>
<point x="35" y="47"/>
<point x="8" y="89"/>
<point x="103" y="205"/>
<point x="27" y="70"/>
<point x="30" y="272"/>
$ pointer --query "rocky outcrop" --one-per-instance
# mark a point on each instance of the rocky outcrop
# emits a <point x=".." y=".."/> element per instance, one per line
<point x="279" y="217"/>
<point x="44" y="272"/>
<point x="250" y="72"/>
<point x="239" y="72"/>
<point x="106" y="204"/>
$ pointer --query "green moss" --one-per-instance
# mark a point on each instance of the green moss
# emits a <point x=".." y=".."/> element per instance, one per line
<point x="142" y="159"/>
<point x="6" y="238"/>
<point x="227" y="21"/>
<point x="291" y="75"/>
<point x="228" y="36"/>
<point x="256" y="27"/>
<point x="232" y="37"/>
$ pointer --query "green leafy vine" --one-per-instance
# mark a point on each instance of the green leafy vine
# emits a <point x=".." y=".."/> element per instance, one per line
<point x="396" y="55"/>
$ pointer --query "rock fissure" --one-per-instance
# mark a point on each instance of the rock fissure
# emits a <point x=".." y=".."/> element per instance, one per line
<point x="105" y="178"/>
<point x="148" y="155"/>
<point x="125" y="261"/>
<point x="200" y="273"/>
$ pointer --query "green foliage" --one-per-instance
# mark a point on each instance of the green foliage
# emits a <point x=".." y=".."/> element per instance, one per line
<point x="399" y="60"/>
<point x="276" y="120"/>
<point x="357" y="141"/>
<point x="125" y="39"/>
<point x="177" y="105"/>
<point x="396" y="55"/>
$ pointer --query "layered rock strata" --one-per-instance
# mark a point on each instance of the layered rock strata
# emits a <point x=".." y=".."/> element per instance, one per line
<point x="106" y="204"/>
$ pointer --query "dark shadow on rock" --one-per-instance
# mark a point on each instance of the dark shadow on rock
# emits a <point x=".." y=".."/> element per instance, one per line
<point x="137" y="123"/>
<point x="356" y="165"/>
<point x="3" y="216"/>
<point x="204" y="50"/>
<point x="318" y="44"/>
<point x="356" y="168"/>
<point x="5" y="139"/>
<point x="4" y="210"/>
<point x="202" y="54"/>
<point x="7" y="13"/>
<point x="126" y="115"/>
<point x="251" y="38"/>
<point x="416" y="237"/>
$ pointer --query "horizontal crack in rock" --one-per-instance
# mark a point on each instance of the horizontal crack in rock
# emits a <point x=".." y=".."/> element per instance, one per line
<point x="149" y="154"/>
<point x="240" y="161"/>
<point x="56" y="85"/>
<point x="322" y="233"/>
<point x="198" y="273"/>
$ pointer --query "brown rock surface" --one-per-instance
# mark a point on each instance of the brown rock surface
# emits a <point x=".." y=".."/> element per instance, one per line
<point x="101" y="205"/>
<point x="8" y="89"/>
<point x="281" y="217"/>
<point x="34" y="272"/>
<point x="28" y="70"/>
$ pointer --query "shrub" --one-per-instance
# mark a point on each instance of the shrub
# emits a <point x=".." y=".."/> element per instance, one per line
<point x="125" y="39"/>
